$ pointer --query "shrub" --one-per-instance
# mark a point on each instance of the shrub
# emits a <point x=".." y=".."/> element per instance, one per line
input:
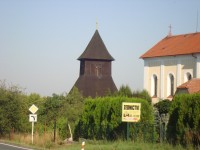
<point x="184" y="121"/>
<point x="63" y="128"/>
<point x="101" y="118"/>
<point x="163" y="106"/>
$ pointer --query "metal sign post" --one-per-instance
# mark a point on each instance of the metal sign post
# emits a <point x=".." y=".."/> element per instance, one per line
<point x="127" y="131"/>
<point x="33" y="117"/>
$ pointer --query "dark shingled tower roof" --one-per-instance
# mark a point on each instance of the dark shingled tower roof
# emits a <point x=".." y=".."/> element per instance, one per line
<point x="96" y="49"/>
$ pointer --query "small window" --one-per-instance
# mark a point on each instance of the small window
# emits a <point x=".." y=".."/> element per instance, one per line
<point x="189" y="76"/>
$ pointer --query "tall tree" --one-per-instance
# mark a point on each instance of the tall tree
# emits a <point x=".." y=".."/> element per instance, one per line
<point x="125" y="91"/>
<point x="51" y="110"/>
<point x="12" y="109"/>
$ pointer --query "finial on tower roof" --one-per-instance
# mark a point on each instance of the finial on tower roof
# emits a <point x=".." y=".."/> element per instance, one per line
<point x="97" y="24"/>
<point x="170" y="31"/>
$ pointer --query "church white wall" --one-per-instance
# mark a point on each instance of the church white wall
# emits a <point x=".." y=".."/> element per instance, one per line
<point x="146" y="75"/>
<point x="154" y="69"/>
<point x="178" y="66"/>
<point x="170" y="68"/>
<point x="197" y="73"/>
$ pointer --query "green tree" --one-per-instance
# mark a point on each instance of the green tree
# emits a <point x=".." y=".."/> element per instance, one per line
<point x="36" y="99"/>
<point x="72" y="107"/>
<point x="125" y="91"/>
<point x="51" y="110"/>
<point x="142" y="94"/>
<point x="13" y="113"/>
<point x="61" y="110"/>
<point x="51" y="107"/>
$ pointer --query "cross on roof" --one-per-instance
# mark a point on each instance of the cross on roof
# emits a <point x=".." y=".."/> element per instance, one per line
<point x="97" y="25"/>
<point x="170" y="30"/>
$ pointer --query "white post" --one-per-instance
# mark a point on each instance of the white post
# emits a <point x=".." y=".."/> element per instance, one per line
<point x="32" y="130"/>
<point x="82" y="146"/>
<point x="71" y="136"/>
<point x="33" y="117"/>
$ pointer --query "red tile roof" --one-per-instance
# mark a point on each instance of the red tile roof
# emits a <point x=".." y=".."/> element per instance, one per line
<point x="175" y="45"/>
<point x="193" y="86"/>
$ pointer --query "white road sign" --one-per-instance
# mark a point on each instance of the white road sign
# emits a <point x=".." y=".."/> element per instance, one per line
<point x="33" y="118"/>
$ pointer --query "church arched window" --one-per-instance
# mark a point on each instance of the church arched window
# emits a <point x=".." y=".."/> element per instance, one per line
<point x="154" y="86"/>
<point x="189" y="76"/>
<point x="171" y="82"/>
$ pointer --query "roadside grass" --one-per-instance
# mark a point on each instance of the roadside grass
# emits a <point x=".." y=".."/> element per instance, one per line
<point x="122" y="145"/>
<point x="44" y="142"/>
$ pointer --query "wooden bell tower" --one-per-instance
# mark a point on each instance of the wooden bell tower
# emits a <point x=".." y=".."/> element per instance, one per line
<point x="95" y="77"/>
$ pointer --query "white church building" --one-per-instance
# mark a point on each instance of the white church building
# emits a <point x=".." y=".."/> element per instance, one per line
<point x="171" y="62"/>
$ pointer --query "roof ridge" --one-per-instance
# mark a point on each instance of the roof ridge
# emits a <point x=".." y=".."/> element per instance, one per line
<point x="182" y="34"/>
<point x="182" y="44"/>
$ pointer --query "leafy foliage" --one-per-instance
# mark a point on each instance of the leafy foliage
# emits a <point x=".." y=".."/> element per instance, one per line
<point x="51" y="107"/>
<point x="73" y="105"/>
<point x="163" y="106"/>
<point x="62" y="110"/>
<point x="12" y="109"/>
<point x="63" y="127"/>
<point x="125" y="91"/>
<point x="101" y="118"/>
<point x="142" y="94"/>
<point x="14" y="105"/>
<point x="184" y="122"/>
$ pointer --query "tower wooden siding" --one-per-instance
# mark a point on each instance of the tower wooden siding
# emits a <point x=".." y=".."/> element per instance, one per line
<point x="95" y="68"/>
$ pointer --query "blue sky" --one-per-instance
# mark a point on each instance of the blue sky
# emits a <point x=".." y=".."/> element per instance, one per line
<point x="40" y="40"/>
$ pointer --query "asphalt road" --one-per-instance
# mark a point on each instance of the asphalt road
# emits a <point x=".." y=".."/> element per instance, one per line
<point x="4" y="146"/>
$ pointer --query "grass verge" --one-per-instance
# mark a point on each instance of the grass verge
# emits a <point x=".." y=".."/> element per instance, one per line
<point x="42" y="142"/>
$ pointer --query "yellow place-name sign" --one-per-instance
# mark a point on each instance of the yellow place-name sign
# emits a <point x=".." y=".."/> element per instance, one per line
<point x="131" y="112"/>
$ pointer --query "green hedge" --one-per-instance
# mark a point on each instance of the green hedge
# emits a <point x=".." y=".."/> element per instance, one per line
<point x="101" y="119"/>
<point x="184" y="122"/>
